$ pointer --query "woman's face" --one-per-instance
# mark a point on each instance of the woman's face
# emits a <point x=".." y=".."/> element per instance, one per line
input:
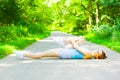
<point x="97" y="53"/>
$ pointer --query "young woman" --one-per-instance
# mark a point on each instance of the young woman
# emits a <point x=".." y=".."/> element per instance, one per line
<point x="76" y="52"/>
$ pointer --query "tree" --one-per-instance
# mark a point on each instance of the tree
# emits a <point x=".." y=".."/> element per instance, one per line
<point x="10" y="12"/>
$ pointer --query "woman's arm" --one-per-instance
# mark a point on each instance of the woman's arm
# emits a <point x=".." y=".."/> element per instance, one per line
<point x="78" y="41"/>
<point x="84" y="51"/>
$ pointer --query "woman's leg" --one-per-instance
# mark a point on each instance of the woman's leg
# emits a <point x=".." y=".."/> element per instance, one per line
<point x="49" y="53"/>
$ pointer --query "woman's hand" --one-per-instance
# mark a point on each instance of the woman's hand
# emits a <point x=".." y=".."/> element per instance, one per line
<point x="80" y="40"/>
<point x="73" y="43"/>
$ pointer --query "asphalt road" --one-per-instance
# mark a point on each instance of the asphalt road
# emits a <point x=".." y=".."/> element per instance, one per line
<point x="12" y="68"/>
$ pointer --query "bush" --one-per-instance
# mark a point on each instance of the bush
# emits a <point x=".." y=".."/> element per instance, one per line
<point x="116" y="31"/>
<point x="21" y="31"/>
<point x="7" y="34"/>
<point x="10" y="12"/>
<point x="6" y="50"/>
<point x="116" y="27"/>
<point x="103" y="31"/>
<point x="36" y="28"/>
<point x="115" y="36"/>
<point x="12" y="32"/>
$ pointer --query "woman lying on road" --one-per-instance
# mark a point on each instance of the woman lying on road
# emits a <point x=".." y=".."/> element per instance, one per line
<point x="76" y="52"/>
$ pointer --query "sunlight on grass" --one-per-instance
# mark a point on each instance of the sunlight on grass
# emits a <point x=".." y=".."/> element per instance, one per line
<point x="21" y="43"/>
<point x="105" y="41"/>
<point x="6" y="50"/>
<point x="115" y="46"/>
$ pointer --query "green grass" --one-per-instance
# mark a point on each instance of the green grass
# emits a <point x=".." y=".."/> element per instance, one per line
<point x="20" y="36"/>
<point x="20" y="43"/>
<point x="6" y="50"/>
<point x="114" y="45"/>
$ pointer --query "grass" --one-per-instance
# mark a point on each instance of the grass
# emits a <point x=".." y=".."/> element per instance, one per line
<point x="114" y="45"/>
<point x="6" y="50"/>
<point x="20" y="36"/>
<point x="20" y="43"/>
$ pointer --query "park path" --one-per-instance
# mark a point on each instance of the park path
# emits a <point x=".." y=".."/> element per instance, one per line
<point x="12" y="68"/>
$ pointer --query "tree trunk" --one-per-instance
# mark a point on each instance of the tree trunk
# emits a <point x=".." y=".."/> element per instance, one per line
<point x="90" y="9"/>
<point x="97" y="13"/>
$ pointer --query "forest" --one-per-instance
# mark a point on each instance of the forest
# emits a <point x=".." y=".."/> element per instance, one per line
<point x="23" y="22"/>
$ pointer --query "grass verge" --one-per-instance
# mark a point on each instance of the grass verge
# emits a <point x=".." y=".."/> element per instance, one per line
<point x="20" y="43"/>
<point x="114" y="45"/>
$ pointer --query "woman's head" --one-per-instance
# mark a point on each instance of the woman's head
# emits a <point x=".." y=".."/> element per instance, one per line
<point x="99" y="54"/>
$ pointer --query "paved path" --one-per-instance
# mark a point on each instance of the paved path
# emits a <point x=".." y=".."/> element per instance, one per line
<point x="12" y="68"/>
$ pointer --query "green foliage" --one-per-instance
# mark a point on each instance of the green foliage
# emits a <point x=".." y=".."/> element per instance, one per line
<point x="115" y="36"/>
<point x="111" y="9"/>
<point x="117" y="24"/>
<point x="103" y="31"/>
<point x="22" y="42"/>
<point x="106" y="42"/>
<point x="24" y="12"/>
<point x="6" y="50"/>
<point x="21" y="31"/>
<point x="69" y="14"/>
<point x="36" y="28"/>
<point x="11" y="32"/>
<point x="18" y="37"/>
<point x="7" y="33"/>
<point x="116" y="31"/>
<point x="10" y="12"/>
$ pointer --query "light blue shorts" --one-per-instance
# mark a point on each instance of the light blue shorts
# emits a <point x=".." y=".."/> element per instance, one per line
<point x="70" y="54"/>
